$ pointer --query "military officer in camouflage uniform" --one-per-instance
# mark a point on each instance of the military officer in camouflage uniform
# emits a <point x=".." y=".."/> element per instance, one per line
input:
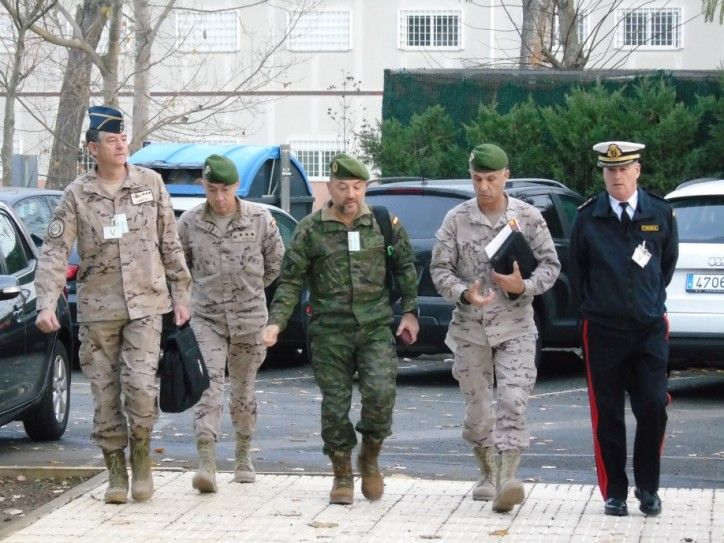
<point x="234" y="250"/>
<point x="132" y="270"/>
<point x="340" y="251"/>
<point x="492" y="332"/>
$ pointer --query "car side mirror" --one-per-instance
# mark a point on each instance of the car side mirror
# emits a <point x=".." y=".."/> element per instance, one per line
<point x="9" y="287"/>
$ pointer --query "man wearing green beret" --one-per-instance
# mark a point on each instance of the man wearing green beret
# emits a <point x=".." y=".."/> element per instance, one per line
<point x="492" y="333"/>
<point x="234" y="250"/>
<point x="340" y="252"/>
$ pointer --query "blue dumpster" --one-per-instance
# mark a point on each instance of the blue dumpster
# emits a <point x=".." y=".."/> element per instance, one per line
<point x="260" y="171"/>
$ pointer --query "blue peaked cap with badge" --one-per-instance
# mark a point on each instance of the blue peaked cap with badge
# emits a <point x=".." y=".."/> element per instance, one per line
<point x="105" y="119"/>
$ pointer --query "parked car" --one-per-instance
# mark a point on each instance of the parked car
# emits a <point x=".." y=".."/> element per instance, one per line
<point x="422" y="205"/>
<point x="35" y="207"/>
<point x="292" y="341"/>
<point x="34" y="367"/>
<point x="695" y="296"/>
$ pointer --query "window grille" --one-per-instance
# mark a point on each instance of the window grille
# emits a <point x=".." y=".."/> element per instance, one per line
<point x="322" y="31"/>
<point x="650" y="27"/>
<point x="315" y="156"/>
<point x="207" y="32"/>
<point x="425" y="29"/>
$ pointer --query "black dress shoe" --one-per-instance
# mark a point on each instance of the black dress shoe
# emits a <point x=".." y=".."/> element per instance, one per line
<point x="616" y="507"/>
<point x="650" y="502"/>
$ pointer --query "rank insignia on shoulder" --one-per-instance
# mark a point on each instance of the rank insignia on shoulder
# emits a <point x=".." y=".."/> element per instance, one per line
<point x="649" y="227"/>
<point x="395" y="220"/>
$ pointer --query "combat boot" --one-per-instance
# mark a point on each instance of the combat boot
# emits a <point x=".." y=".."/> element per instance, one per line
<point x="485" y="488"/>
<point x="117" y="491"/>
<point x="205" y="478"/>
<point x="243" y="469"/>
<point x="372" y="483"/>
<point x="509" y="490"/>
<point x="142" y="482"/>
<point x="343" y="486"/>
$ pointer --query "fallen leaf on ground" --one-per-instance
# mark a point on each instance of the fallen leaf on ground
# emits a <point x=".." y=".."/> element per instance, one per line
<point x="500" y="532"/>
<point x="318" y="524"/>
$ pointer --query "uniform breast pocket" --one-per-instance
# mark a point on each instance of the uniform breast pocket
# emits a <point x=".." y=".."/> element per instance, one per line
<point x="245" y="252"/>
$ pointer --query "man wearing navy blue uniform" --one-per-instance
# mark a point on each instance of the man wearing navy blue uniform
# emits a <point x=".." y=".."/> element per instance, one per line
<point x="624" y="247"/>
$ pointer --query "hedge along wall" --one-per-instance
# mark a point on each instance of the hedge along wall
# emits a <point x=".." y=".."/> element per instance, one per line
<point x="661" y="109"/>
<point x="460" y="92"/>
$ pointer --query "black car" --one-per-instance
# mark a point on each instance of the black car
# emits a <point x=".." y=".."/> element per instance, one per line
<point x="34" y="367"/>
<point x="35" y="208"/>
<point x="422" y="205"/>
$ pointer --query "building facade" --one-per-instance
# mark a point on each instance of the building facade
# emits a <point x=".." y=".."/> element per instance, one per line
<point x="310" y="72"/>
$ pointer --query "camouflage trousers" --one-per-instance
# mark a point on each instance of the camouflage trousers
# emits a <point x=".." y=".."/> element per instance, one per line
<point x="243" y="354"/>
<point x="120" y="359"/>
<point x="336" y="355"/>
<point x="512" y="364"/>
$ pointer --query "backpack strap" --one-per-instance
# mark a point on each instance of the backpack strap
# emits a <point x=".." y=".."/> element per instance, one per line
<point x="382" y="217"/>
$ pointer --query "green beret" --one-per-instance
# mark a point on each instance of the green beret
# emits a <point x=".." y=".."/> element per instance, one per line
<point x="488" y="157"/>
<point x="219" y="169"/>
<point x="344" y="166"/>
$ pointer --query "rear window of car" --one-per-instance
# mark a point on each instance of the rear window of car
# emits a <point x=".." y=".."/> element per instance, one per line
<point x="420" y="214"/>
<point x="700" y="219"/>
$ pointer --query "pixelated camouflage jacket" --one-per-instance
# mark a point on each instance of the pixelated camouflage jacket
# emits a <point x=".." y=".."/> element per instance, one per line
<point x="346" y="287"/>
<point x="459" y="259"/>
<point x="118" y="278"/>
<point x="231" y="269"/>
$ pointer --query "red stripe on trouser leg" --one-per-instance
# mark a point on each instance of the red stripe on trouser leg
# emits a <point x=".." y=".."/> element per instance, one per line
<point x="600" y="466"/>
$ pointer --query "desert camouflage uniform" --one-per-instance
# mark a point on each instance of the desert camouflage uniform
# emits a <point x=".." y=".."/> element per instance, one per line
<point x="230" y="271"/>
<point x="351" y="317"/>
<point x="123" y="289"/>
<point x="501" y="336"/>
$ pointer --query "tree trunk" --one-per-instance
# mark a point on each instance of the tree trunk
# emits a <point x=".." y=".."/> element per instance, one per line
<point x="6" y="155"/>
<point x="568" y="16"/>
<point x="535" y="30"/>
<point x="142" y="73"/>
<point x="74" y="95"/>
<point x="109" y="70"/>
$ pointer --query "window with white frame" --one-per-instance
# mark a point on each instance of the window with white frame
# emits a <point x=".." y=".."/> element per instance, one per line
<point x="658" y="28"/>
<point x="430" y="29"/>
<point x="207" y="32"/>
<point x="315" y="156"/>
<point x="321" y="31"/>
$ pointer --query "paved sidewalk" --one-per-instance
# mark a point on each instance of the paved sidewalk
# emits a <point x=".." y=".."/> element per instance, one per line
<point x="294" y="508"/>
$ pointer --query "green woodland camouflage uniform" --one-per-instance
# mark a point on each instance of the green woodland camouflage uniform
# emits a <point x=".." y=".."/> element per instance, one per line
<point x="123" y="289"/>
<point x="351" y="317"/>
<point x="230" y="271"/>
<point x="500" y="336"/>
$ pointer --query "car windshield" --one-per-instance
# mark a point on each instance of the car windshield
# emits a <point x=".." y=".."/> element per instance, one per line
<point x="421" y="214"/>
<point x="700" y="219"/>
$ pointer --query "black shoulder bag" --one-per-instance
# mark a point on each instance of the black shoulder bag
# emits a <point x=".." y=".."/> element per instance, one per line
<point x="184" y="377"/>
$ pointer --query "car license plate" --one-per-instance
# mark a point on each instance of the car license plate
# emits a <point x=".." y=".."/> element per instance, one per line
<point x="704" y="282"/>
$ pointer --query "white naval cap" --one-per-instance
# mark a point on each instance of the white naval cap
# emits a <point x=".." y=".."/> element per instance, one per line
<point x="617" y="153"/>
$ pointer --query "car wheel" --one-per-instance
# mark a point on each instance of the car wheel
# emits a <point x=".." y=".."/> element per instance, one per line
<point x="47" y="420"/>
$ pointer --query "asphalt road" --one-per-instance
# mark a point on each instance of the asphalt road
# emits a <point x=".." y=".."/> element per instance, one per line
<point x="426" y="441"/>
